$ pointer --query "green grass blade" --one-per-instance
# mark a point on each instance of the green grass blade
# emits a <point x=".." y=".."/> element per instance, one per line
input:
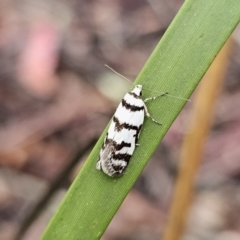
<point x="177" y="64"/>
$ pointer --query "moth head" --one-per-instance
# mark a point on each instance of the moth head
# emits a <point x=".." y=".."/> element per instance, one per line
<point x="138" y="90"/>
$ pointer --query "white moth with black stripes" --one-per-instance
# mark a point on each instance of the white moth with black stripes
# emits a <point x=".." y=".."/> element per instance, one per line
<point x="123" y="133"/>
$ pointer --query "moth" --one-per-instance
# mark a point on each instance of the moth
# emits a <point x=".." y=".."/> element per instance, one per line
<point x="123" y="133"/>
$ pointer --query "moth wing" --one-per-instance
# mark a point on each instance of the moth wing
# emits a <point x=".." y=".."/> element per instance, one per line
<point x="127" y="125"/>
<point x="105" y="153"/>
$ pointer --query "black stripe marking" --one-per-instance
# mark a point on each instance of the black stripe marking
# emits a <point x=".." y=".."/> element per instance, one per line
<point x="131" y="107"/>
<point x="135" y="95"/>
<point x="119" y="126"/>
<point x="122" y="156"/>
<point x="122" y="145"/>
<point x="117" y="146"/>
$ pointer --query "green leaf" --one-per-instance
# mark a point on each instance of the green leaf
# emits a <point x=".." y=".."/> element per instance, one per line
<point x="176" y="66"/>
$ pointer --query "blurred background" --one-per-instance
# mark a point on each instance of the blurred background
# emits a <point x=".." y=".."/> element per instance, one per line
<point x="56" y="97"/>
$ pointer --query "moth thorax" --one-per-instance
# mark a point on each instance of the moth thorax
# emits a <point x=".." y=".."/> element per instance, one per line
<point x="137" y="90"/>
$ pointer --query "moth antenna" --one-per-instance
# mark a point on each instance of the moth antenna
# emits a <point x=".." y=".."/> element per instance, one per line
<point x="118" y="73"/>
<point x="185" y="99"/>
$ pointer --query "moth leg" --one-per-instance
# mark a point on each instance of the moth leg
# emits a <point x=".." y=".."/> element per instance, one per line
<point x="149" y="116"/>
<point x="98" y="165"/>
<point x="153" y="98"/>
<point x="137" y="144"/>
